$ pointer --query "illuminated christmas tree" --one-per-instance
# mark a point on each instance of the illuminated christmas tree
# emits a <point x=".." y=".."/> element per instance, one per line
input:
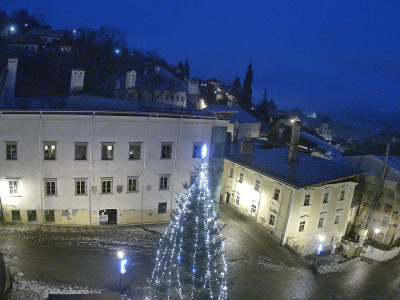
<point x="190" y="261"/>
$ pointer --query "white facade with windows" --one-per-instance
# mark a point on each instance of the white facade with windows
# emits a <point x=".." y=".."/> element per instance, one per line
<point x="288" y="208"/>
<point x="87" y="168"/>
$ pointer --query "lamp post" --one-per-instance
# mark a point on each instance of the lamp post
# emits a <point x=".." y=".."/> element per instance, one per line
<point x="376" y="232"/>
<point x="122" y="267"/>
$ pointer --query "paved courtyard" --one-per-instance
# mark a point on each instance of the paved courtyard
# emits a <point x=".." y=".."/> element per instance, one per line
<point x="71" y="259"/>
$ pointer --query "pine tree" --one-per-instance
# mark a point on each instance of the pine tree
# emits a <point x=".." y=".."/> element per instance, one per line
<point x="246" y="102"/>
<point x="186" y="70"/>
<point x="190" y="261"/>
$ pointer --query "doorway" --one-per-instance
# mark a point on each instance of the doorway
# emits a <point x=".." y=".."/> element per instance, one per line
<point x="227" y="197"/>
<point x="107" y="216"/>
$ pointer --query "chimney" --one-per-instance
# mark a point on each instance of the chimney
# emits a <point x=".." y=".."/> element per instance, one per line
<point x="294" y="140"/>
<point x="130" y="80"/>
<point x="247" y="147"/>
<point x="77" y="80"/>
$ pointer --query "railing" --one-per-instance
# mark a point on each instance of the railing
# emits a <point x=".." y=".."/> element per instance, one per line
<point x="299" y="250"/>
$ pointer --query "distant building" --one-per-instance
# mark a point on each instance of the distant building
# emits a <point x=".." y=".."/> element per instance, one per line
<point x="101" y="161"/>
<point x="324" y="131"/>
<point x="303" y="202"/>
<point x="384" y="223"/>
<point x="242" y="124"/>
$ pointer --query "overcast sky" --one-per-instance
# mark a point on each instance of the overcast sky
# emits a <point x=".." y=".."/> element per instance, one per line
<point x="337" y="57"/>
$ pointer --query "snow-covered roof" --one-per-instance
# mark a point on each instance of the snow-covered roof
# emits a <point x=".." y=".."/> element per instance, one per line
<point x="166" y="81"/>
<point x="238" y="113"/>
<point x="307" y="171"/>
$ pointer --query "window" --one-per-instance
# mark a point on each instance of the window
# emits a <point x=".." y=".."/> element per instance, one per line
<point x="253" y="209"/>
<point x="193" y="178"/>
<point x="49" y="215"/>
<point x="80" y="186"/>
<point x="326" y="197"/>
<point x="13" y="185"/>
<point x="231" y="173"/>
<point x="164" y="182"/>
<point x="302" y="225"/>
<point x="307" y="200"/>
<point x="272" y="220"/>
<point x="132" y="184"/>
<point x="107" y="151"/>
<point x="49" y="151"/>
<point x="237" y="200"/>
<point x="240" y="177"/>
<point x="134" y="150"/>
<point x="50" y="187"/>
<point x="11" y="151"/>
<point x="332" y="239"/>
<point x="321" y="222"/>
<point x="16" y="215"/>
<point x="166" y="150"/>
<point x="337" y="219"/>
<point x="106" y="185"/>
<point x="80" y="151"/>
<point x="197" y="148"/>
<point x="162" y="207"/>
<point x="342" y="193"/>
<point x="276" y="194"/>
<point x="31" y="215"/>
<point x="257" y="186"/>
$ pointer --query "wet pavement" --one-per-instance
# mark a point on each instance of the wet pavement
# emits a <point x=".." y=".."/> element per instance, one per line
<point x="258" y="267"/>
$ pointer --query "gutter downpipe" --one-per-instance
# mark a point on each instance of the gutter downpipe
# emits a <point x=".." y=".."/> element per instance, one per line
<point x="144" y="166"/>
<point x="90" y="168"/>
<point x="40" y="166"/>
<point x="176" y="152"/>
<point x="283" y="238"/>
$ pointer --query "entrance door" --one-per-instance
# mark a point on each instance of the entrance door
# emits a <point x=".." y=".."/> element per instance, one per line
<point x="108" y="216"/>
<point x="227" y="197"/>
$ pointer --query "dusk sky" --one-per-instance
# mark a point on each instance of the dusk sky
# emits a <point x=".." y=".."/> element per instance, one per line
<point x="336" y="57"/>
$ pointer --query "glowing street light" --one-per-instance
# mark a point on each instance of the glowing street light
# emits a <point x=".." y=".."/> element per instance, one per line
<point x="120" y="254"/>
<point x="117" y="51"/>
<point x="321" y="238"/>
<point x="377" y="230"/>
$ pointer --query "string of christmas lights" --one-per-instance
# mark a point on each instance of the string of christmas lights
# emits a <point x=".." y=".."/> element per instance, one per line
<point x="190" y="261"/>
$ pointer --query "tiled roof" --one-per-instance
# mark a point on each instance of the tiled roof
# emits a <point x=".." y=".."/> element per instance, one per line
<point x="307" y="171"/>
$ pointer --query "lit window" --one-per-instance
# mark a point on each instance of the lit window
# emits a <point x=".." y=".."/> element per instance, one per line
<point x="162" y="208"/>
<point x="253" y="209"/>
<point x="107" y="151"/>
<point x="237" y="200"/>
<point x="50" y="187"/>
<point x="106" y="185"/>
<point x="134" y="150"/>
<point x="50" y="151"/>
<point x="80" y="186"/>
<point x="132" y="184"/>
<point x="166" y="150"/>
<point x="276" y="194"/>
<point x="342" y="193"/>
<point x="80" y="151"/>
<point x="193" y="178"/>
<point x="257" y="186"/>
<point x="240" y="177"/>
<point x="326" y="197"/>
<point x="307" y="200"/>
<point x="302" y="225"/>
<point x="321" y="222"/>
<point x="164" y="182"/>
<point x="197" y="148"/>
<point x="272" y="220"/>
<point x="13" y="184"/>
<point x="11" y="151"/>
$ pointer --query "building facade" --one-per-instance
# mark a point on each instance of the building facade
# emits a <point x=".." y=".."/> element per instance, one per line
<point x="301" y="202"/>
<point x="94" y="168"/>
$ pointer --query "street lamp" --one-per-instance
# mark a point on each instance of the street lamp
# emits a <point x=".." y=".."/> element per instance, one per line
<point x="376" y="232"/>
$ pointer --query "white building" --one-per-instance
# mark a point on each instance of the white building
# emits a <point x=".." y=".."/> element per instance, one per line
<point x="303" y="202"/>
<point x="324" y="131"/>
<point x="99" y="161"/>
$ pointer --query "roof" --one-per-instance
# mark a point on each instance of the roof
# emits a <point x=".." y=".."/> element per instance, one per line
<point x="307" y="171"/>
<point x="47" y="32"/>
<point x="241" y="116"/>
<point x="162" y="80"/>
<point x="24" y="39"/>
<point x="97" y="104"/>
<point x="373" y="165"/>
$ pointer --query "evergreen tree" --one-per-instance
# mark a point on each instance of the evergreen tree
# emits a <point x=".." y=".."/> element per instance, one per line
<point x="190" y="261"/>
<point x="246" y="102"/>
<point x="186" y="70"/>
<point x="237" y="88"/>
